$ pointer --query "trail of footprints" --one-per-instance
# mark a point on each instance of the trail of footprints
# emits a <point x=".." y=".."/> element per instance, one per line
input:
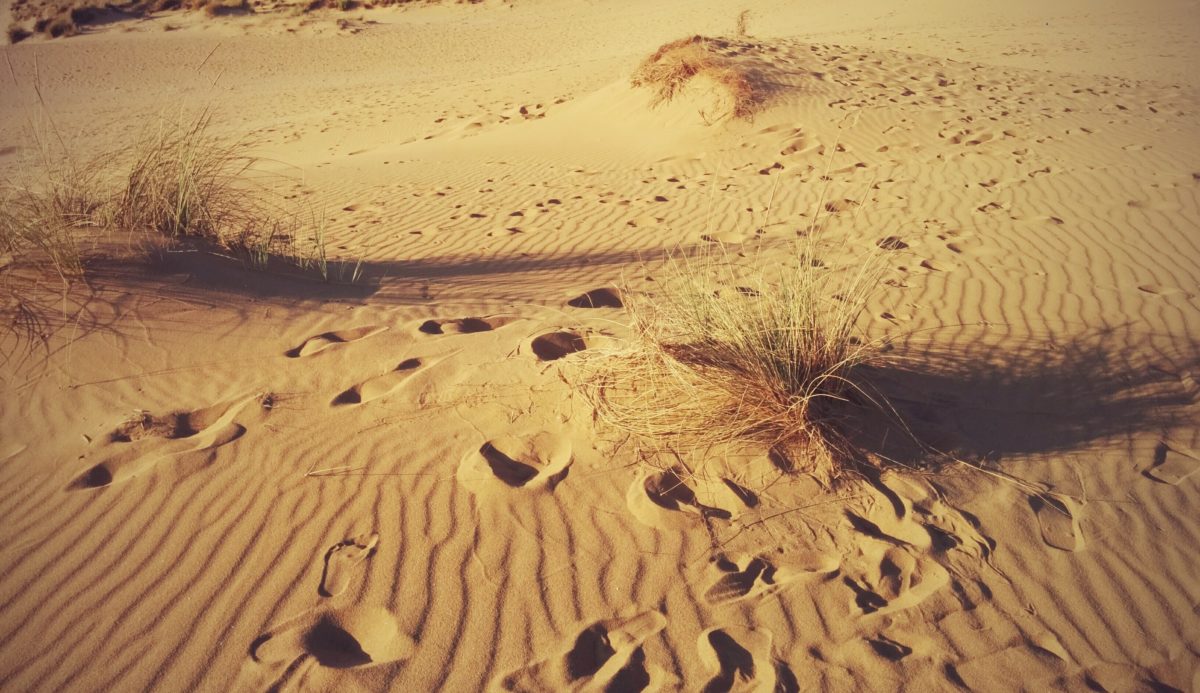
<point x="359" y="636"/>
<point x="606" y="655"/>
<point x="610" y="655"/>
<point x="341" y="561"/>
<point x="183" y="441"/>
<point x="537" y="462"/>
<point x="897" y="571"/>
<point x="321" y="342"/>
<point x="379" y="386"/>
<point x="339" y="637"/>
<point x="349" y="637"/>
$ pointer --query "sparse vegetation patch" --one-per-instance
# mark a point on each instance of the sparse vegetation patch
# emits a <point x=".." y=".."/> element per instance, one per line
<point x="180" y="184"/>
<point x="675" y="65"/>
<point x="724" y="354"/>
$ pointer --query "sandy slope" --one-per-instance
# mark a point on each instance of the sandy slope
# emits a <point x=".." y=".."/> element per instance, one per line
<point x="393" y="485"/>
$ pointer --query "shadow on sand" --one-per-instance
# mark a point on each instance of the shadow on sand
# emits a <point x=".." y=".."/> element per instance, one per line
<point x="985" y="403"/>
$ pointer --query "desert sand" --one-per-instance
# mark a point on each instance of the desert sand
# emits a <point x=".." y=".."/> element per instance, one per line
<point x="214" y="479"/>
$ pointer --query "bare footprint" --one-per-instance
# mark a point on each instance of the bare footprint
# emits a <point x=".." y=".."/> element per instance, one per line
<point x="1058" y="519"/>
<point x="741" y="660"/>
<point x="899" y="579"/>
<point x="537" y="462"/>
<point x="670" y="499"/>
<point x="346" y="638"/>
<point x="341" y="560"/>
<point x="464" y="325"/>
<point x="555" y="345"/>
<point x="606" y="655"/>
<point x="380" y="385"/>
<point x="144" y="442"/>
<point x="321" y="342"/>
<point x="1173" y="462"/>
<point x="740" y="577"/>
<point x="603" y="297"/>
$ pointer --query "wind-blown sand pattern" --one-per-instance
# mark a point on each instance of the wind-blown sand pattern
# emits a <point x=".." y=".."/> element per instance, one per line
<point x="217" y="480"/>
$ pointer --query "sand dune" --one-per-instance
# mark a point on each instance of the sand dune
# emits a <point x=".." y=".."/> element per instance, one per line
<point x="218" y="480"/>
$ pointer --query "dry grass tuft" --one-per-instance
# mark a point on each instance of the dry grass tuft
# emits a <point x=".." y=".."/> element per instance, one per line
<point x="58" y="18"/>
<point x="186" y="184"/>
<point x="182" y="182"/>
<point x="723" y="354"/>
<point x="179" y="185"/>
<point x="670" y="69"/>
<point x="44" y="211"/>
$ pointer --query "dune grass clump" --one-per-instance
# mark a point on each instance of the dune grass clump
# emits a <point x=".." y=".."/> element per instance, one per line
<point x="44" y="212"/>
<point x="63" y="18"/>
<point x="723" y="355"/>
<point x="671" y="68"/>
<point x="33" y="225"/>
<point x="178" y="185"/>
<point x="183" y="182"/>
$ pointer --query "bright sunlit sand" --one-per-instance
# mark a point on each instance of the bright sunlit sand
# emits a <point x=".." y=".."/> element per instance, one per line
<point x="568" y="345"/>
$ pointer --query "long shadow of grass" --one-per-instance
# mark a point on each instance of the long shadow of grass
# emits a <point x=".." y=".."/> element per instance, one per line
<point x="39" y="308"/>
<point x="986" y="403"/>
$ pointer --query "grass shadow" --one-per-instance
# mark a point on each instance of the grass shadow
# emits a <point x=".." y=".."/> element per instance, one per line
<point x="986" y="403"/>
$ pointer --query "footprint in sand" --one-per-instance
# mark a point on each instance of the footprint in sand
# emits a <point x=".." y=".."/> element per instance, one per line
<point x="604" y="297"/>
<point x="380" y="385"/>
<point x="606" y="655"/>
<point x="838" y="206"/>
<point x="894" y="528"/>
<point x="798" y="145"/>
<point x="347" y="638"/>
<point x="464" y="325"/>
<point x="898" y="579"/>
<point x="537" y="462"/>
<point x="740" y="577"/>
<point x="889" y="649"/>
<point x="555" y="345"/>
<point x="741" y="660"/>
<point x="969" y="137"/>
<point x="146" y="441"/>
<point x="340" y="561"/>
<point x="323" y="341"/>
<point x="1173" y="462"/>
<point x="672" y="499"/>
<point x="1058" y="519"/>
